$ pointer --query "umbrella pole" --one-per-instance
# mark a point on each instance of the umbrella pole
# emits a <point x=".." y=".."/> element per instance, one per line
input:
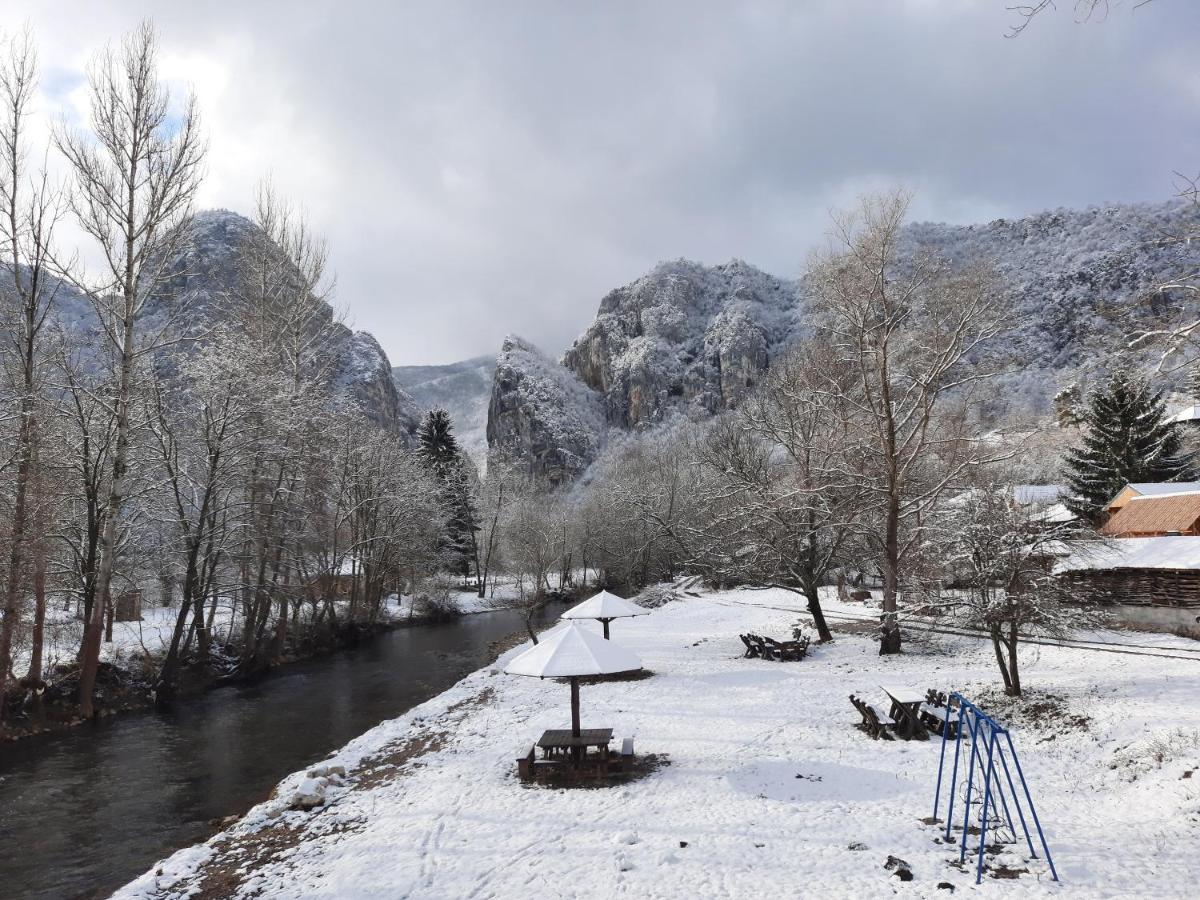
<point x="576" y="752"/>
<point x="606" y="621"/>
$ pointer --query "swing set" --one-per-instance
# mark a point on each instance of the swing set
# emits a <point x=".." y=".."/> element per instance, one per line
<point x="991" y="752"/>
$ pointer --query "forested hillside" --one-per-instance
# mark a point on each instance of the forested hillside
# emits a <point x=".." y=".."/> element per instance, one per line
<point x="695" y="339"/>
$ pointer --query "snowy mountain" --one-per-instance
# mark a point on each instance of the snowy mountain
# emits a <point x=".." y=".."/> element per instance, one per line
<point x="694" y="338"/>
<point x="462" y="389"/>
<point x="683" y="335"/>
<point x="542" y="418"/>
<point x="359" y="373"/>
<point x="1080" y="281"/>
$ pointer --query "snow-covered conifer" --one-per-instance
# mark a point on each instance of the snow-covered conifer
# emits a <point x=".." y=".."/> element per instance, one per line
<point x="1128" y="438"/>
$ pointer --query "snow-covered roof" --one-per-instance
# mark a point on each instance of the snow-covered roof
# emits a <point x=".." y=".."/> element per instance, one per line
<point x="1041" y="495"/>
<point x="573" y="651"/>
<point x="1054" y="514"/>
<point x="1172" y="552"/>
<point x="1158" y="514"/>
<point x="1164" y="488"/>
<point x="605" y="606"/>
<point x="1187" y="414"/>
<point x="1025" y="494"/>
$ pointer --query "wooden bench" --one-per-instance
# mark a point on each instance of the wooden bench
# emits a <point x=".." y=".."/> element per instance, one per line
<point x="779" y="651"/>
<point x="765" y="648"/>
<point x="529" y="767"/>
<point x="752" y="649"/>
<point x="874" y="721"/>
<point x="798" y="647"/>
<point x="525" y="766"/>
<point x="939" y="718"/>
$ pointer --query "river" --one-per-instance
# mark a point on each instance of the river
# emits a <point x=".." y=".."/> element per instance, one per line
<point x="84" y="811"/>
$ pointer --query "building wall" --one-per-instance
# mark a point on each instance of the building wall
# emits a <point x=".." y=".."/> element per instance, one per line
<point x="1160" y="618"/>
<point x="1127" y="494"/>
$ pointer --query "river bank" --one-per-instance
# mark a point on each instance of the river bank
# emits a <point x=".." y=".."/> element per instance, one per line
<point x="92" y="807"/>
<point x="125" y="683"/>
<point x="768" y="782"/>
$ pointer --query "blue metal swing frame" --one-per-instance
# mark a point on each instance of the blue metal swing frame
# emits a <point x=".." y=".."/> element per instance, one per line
<point x="998" y="745"/>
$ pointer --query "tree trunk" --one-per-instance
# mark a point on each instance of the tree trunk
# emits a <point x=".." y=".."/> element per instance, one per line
<point x="16" y="558"/>
<point x="164" y="688"/>
<point x="814" y="608"/>
<point x="39" y="618"/>
<point x="1013" y="635"/>
<point x="889" y="628"/>
<point x="997" y="646"/>
<point x="90" y="662"/>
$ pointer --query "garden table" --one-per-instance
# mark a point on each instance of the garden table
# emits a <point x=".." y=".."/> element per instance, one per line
<point x="906" y="710"/>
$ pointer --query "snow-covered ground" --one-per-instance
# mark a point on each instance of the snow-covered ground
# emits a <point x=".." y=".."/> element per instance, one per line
<point x="769" y="784"/>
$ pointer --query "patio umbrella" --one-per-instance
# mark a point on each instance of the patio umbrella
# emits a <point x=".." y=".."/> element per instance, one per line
<point x="572" y="652"/>
<point x="605" y="607"/>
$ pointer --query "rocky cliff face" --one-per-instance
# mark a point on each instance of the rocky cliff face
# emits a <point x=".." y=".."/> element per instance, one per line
<point x="686" y="337"/>
<point x="359" y="370"/>
<point x="363" y="376"/>
<point x="541" y="418"/>
<point x="683" y="336"/>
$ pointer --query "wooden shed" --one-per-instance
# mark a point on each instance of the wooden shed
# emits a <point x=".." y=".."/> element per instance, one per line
<point x="1149" y="581"/>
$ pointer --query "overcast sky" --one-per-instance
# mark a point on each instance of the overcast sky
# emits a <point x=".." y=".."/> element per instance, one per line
<point x="493" y="167"/>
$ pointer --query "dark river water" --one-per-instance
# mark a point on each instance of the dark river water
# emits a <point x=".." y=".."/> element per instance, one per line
<point x="83" y="812"/>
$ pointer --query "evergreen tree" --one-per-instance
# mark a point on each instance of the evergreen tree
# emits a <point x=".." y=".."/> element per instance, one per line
<point x="439" y="449"/>
<point x="1128" y="438"/>
<point x="439" y="446"/>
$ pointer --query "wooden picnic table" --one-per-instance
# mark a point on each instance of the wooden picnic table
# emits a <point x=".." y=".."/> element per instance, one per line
<point x="556" y="742"/>
<point x="906" y="710"/>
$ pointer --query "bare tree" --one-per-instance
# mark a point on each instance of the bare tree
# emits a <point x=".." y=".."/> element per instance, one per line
<point x="999" y="554"/>
<point x="136" y="175"/>
<point x="29" y="211"/>
<point x="915" y="332"/>
<point x="495" y="489"/>
<point x="783" y="493"/>
<point x="1085" y="11"/>
<point x="285" y="337"/>
<point x="198" y="423"/>
<point x="641" y="506"/>
<point x="532" y="537"/>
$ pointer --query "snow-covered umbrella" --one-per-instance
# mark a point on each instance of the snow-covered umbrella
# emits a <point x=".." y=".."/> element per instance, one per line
<point x="605" y="607"/>
<point x="572" y="652"/>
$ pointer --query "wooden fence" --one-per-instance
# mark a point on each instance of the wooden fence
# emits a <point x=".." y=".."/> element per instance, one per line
<point x="1175" y="588"/>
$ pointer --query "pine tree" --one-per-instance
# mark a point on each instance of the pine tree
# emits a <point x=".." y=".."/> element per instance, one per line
<point x="1128" y="439"/>
<point x="439" y="449"/>
<point x="439" y="446"/>
<point x="1193" y="381"/>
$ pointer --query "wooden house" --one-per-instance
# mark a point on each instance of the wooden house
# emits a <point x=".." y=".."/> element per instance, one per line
<point x="1150" y="489"/>
<point x="1155" y="515"/>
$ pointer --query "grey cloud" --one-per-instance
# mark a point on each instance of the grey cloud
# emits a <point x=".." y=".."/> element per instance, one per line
<point x="489" y="167"/>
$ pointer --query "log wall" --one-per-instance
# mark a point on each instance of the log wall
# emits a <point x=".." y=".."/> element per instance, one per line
<point x="1173" y="588"/>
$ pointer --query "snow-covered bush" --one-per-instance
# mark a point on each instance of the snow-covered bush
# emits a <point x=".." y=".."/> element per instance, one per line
<point x="437" y="599"/>
<point x="1153" y="752"/>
